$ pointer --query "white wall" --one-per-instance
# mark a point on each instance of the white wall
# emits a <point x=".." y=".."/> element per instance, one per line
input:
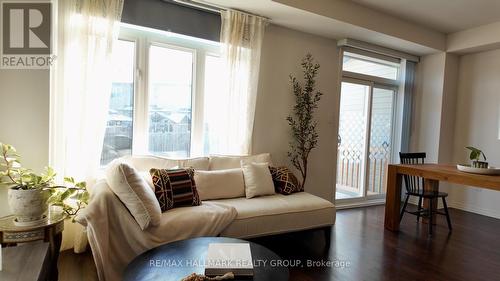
<point x="282" y="52"/>
<point x="478" y="124"/>
<point x="434" y="110"/>
<point x="448" y="109"/>
<point x="24" y="118"/>
<point x="428" y="103"/>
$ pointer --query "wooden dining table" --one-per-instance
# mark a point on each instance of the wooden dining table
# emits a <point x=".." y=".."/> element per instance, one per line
<point x="432" y="175"/>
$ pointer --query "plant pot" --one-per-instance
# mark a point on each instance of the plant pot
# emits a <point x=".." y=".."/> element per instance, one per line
<point x="28" y="206"/>
<point x="480" y="164"/>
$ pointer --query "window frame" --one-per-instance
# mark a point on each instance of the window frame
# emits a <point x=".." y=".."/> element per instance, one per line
<point x="144" y="38"/>
<point x="397" y="85"/>
<point x="376" y="58"/>
<point x="378" y="82"/>
<point x="194" y="74"/>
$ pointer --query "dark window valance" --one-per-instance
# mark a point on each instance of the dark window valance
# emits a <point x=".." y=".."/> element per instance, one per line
<point x="169" y="16"/>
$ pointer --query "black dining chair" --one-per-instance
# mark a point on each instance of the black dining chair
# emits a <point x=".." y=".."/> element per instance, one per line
<point x="415" y="187"/>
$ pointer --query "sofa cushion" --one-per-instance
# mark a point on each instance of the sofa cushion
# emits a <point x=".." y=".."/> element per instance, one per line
<point x="175" y="188"/>
<point x="278" y="213"/>
<point x="258" y="180"/>
<point x="146" y="162"/>
<point x="220" y="162"/>
<point x="200" y="163"/>
<point x="220" y="184"/>
<point x="134" y="192"/>
<point x="285" y="181"/>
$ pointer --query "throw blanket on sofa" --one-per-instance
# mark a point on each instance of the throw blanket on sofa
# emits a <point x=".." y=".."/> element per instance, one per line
<point x="116" y="238"/>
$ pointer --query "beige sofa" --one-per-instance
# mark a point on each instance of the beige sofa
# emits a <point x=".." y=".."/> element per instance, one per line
<point x="259" y="216"/>
<point x="116" y="238"/>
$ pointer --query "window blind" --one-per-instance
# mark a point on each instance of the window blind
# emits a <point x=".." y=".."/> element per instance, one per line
<point x="169" y="16"/>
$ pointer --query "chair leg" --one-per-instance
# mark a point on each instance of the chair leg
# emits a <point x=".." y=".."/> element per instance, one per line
<point x="430" y="216"/>
<point x="404" y="207"/>
<point x="447" y="214"/>
<point x="419" y="207"/>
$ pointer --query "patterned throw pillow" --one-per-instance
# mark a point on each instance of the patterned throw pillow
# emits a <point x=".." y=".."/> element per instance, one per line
<point x="175" y="188"/>
<point x="285" y="181"/>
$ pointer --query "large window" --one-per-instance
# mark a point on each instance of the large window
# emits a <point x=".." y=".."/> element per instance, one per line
<point x="364" y="64"/>
<point x="170" y="89"/>
<point x="164" y="86"/>
<point x="213" y="104"/>
<point x="119" y="130"/>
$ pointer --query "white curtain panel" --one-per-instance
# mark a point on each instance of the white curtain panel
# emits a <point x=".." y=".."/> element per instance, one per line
<point x="80" y="92"/>
<point x="81" y="84"/>
<point x="229" y="120"/>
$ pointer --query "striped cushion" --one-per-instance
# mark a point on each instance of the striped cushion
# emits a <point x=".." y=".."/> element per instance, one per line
<point x="285" y="181"/>
<point x="175" y="188"/>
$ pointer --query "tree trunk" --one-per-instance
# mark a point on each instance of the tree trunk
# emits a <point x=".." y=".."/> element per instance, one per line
<point x="304" y="174"/>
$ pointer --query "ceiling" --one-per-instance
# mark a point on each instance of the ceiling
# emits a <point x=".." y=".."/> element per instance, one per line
<point x="446" y="16"/>
<point x="434" y="18"/>
<point x="320" y="25"/>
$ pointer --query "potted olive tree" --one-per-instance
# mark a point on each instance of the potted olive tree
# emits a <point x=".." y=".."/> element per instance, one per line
<point x="30" y="194"/>
<point x="302" y="122"/>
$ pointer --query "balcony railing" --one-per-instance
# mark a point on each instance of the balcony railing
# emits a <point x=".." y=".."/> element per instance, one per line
<point x="349" y="169"/>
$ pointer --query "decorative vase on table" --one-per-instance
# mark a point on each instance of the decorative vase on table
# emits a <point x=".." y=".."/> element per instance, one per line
<point x="29" y="206"/>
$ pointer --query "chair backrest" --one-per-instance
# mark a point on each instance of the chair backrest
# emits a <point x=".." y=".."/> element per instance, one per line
<point x="413" y="183"/>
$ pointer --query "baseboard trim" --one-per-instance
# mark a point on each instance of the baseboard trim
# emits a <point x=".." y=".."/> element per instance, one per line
<point x="473" y="209"/>
<point x="413" y="200"/>
<point x="348" y="205"/>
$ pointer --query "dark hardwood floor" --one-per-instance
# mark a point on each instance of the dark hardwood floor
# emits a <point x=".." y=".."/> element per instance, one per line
<point x="361" y="249"/>
<point x="77" y="267"/>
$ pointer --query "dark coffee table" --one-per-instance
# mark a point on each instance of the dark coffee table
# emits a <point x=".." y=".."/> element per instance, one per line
<point x="174" y="261"/>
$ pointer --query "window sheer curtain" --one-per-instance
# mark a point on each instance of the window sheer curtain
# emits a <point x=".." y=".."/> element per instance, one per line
<point x="80" y="91"/>
<point x="229" y="117"/>
<point x="81" y="84"/>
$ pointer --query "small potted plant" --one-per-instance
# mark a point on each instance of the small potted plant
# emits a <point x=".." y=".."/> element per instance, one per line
<point x="30" y="194"/>
<point x="475" y="156"/>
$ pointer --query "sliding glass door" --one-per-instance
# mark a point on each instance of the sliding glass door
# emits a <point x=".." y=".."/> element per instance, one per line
<point x="366" y="138"/>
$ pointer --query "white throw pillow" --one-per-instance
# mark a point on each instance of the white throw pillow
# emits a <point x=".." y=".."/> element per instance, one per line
<point x="147" y="178"/>
<point x="220" y="184"/>
<point x="222" y="162"/>
<point x="134" y="192"/>
<point x="258" y="179"/>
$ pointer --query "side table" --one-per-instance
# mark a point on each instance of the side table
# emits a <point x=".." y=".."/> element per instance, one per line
<point x="49" y="231"/>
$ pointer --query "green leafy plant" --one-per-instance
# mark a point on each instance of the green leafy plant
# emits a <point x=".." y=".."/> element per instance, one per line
<point x="302" y="123"/>
<point x="475" y="154"/>
<point x="17" y="177"/>
<point x="71" y="197"/>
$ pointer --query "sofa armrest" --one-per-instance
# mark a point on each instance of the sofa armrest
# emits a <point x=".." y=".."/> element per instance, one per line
<point x="101" y="197"/>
